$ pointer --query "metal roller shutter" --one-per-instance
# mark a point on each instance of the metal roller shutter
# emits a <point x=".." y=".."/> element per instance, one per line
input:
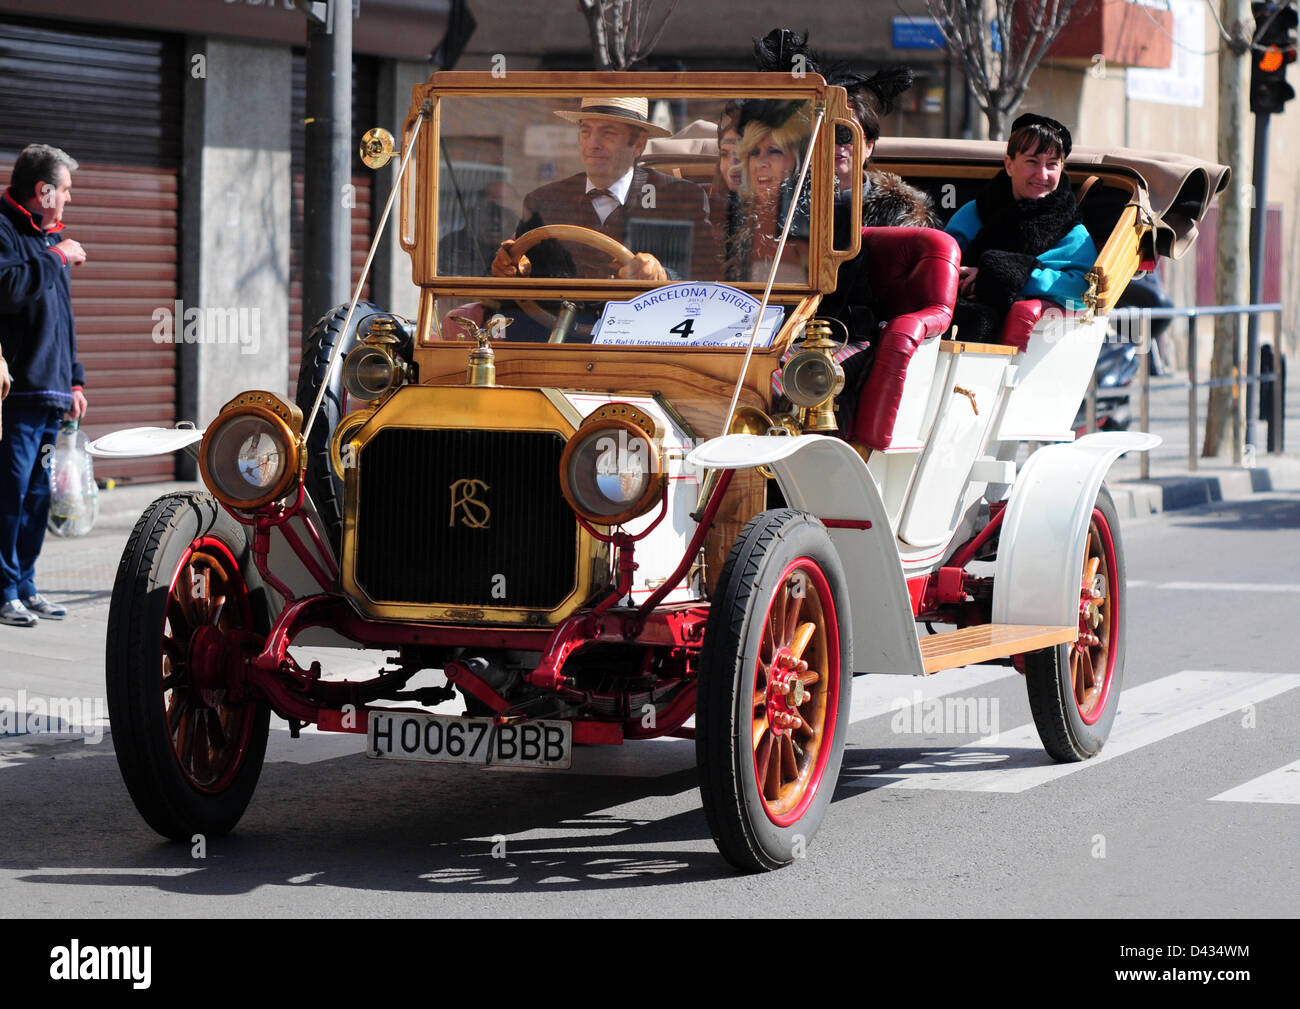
<point x="112" y="100"/>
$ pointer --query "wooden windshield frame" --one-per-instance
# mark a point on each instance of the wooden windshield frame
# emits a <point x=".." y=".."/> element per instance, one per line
<point x="419" y="223"/>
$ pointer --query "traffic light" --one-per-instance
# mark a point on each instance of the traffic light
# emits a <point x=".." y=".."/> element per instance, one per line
<point x="1274" y="47"/>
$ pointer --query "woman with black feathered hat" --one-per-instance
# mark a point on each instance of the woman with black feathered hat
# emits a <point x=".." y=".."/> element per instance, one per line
<point x="1022" y="236"/>
<point x="887" y="201"/>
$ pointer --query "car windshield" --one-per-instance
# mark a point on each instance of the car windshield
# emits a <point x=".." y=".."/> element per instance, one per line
<point x="658" y="178"/>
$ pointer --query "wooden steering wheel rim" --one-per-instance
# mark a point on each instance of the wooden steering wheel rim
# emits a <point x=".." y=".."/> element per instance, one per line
<point x="566" y="233"/>
<point x="574" y="233"/>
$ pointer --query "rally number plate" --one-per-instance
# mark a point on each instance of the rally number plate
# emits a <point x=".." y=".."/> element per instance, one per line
<point x="452" y="740"/>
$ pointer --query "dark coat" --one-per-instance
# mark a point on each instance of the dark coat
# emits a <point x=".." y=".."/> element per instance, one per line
<point x="669" y="220"/>
<point x="37" y="332"/>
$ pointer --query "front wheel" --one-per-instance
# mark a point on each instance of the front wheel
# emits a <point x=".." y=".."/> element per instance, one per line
<point x="1074" y="688"/>
<point x="775" y="688"/>
<point x="190" y="755"/>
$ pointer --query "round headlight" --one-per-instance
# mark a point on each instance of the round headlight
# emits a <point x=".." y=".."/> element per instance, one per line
<point x="610" y="472"/>
<point x="369" y="372"/>
<point x="249" y="456"/>
<point x="810" y="378"/>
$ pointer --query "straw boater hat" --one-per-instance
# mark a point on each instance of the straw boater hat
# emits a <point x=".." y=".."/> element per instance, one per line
<point x="631" y="111"/>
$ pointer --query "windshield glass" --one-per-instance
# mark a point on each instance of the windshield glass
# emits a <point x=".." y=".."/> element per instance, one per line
<point x="654" y="191"/>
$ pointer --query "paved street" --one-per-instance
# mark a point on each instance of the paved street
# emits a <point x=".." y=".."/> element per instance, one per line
<point x="1192" y="809"/>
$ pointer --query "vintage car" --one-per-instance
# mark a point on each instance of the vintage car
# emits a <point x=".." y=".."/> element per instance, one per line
<point x="602" y="509"/>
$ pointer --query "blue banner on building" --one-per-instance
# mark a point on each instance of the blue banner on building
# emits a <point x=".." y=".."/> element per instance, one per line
<point x="916" y="33"/>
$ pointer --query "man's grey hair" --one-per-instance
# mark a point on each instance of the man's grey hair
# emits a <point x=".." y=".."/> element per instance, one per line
<point x="37" y="163"/>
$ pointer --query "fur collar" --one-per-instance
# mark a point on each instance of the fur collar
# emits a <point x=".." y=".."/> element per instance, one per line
<point x="888" y="201"/>
<point x="1028" y="226"/>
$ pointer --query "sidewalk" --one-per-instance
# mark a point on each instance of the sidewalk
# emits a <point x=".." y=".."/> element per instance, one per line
<point x="1171" y="484"/>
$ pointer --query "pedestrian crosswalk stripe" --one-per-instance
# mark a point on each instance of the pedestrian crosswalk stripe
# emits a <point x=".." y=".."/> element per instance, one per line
<point x="1014" y="761"/>
<point x="1281" y="785"/>
<point x="1217" y="586"/>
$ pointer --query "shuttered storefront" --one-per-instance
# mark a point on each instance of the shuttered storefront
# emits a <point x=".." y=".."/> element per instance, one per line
<point x="112" y="100"/>
<point x="364" y="77"/>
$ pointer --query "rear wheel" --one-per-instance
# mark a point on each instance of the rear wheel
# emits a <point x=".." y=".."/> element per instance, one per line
<point x="1074" y="688"/>
<point x="189" y="754"/>
<point x="775" y="688"/>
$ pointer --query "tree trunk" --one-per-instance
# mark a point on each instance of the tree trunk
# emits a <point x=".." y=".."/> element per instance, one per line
<point x="591" y="10"/>
<point x="1231" y="285"/>
<point x="997" y="120"/>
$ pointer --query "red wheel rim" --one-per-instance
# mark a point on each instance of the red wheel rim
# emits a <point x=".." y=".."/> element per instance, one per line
<point x="795" y="692"/>
<point x="209" y="734"/>
<point x="1092" y="655"/>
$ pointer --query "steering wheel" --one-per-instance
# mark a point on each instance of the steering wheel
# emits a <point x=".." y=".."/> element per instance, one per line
<point x="567" y="233"/>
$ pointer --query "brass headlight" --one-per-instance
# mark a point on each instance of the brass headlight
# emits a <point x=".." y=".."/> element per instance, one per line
<point x="810" y="378"/>
<point x="610" y="471"/>
<point x="370" y="371"/>
<point x="252" y="453"/>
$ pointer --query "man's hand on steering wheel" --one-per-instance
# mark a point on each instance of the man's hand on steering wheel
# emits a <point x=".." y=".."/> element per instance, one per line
<point x="504" y="263"/>
<point x="644" y="267"/>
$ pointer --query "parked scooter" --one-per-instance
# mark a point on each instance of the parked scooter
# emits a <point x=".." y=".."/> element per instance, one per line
<point x="1117" y="366"/>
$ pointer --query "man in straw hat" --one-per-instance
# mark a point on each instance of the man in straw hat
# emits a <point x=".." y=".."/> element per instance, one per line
<point x="619" y="198"/>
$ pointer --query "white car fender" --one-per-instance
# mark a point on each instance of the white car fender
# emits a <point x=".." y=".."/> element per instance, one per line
<point x="1041" y="543"/>
<point x="827" y="478"/>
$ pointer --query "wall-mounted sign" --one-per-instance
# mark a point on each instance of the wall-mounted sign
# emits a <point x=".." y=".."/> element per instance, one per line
<point x="916" y="32"/>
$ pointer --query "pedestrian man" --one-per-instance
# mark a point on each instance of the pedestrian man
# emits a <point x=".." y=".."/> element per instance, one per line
<point x="39" y="344"/>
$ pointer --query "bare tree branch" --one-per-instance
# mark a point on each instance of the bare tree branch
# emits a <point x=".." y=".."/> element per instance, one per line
<point x="620" y="37"/>
<point x="999" y="44"/>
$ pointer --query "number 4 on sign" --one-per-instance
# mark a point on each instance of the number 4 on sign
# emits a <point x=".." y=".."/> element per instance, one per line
<point x="684" y="328"/>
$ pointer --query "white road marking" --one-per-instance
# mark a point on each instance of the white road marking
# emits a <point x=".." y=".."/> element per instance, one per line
<point x="880" y="694"/>
<point x="1282" y="785"/>
<point x="1217" y="586"/>
<point x="1014" y="761"/>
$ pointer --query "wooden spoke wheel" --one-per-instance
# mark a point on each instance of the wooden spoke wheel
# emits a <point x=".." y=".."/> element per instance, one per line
<point x="209" y="733"/>
<point x="775" y="686"/>
<point x="189" y="749"/>
<point x="1074" y="688"/>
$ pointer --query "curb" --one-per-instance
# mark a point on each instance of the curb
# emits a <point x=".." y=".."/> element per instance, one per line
<point x="1140" y="498"/>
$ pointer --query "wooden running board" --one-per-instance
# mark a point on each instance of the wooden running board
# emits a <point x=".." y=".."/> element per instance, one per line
<point x="970" y="645"/>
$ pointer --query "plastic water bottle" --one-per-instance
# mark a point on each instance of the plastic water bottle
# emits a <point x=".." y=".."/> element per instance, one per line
<point x="74" y="498"/>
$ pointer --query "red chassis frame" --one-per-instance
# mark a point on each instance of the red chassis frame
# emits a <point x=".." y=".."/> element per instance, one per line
<point x="253" y="665"/>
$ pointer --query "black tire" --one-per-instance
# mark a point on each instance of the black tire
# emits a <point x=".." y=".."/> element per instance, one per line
<point x="780" y="556"/>
<point x="324" y="486"/>
<point x="1074" y="688"/>
<point x="190" y="757"/>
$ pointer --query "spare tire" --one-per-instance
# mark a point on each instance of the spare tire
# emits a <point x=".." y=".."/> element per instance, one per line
<point x="324" y="486"/>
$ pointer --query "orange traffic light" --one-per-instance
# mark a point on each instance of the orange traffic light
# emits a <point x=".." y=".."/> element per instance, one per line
<point x="1271" y="60"/>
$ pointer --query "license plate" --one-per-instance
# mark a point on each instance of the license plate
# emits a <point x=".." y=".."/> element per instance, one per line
<point x="450" y="739"/>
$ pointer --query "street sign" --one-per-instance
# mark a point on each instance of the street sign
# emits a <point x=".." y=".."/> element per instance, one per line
<point x="916" y="33"/>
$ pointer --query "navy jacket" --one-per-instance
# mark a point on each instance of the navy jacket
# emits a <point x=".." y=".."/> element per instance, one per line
<point x="37" y="332"/>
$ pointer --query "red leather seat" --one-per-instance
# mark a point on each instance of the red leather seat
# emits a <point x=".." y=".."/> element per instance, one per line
<point x="914" y="273"/>
<point x="1022" y="317"/>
